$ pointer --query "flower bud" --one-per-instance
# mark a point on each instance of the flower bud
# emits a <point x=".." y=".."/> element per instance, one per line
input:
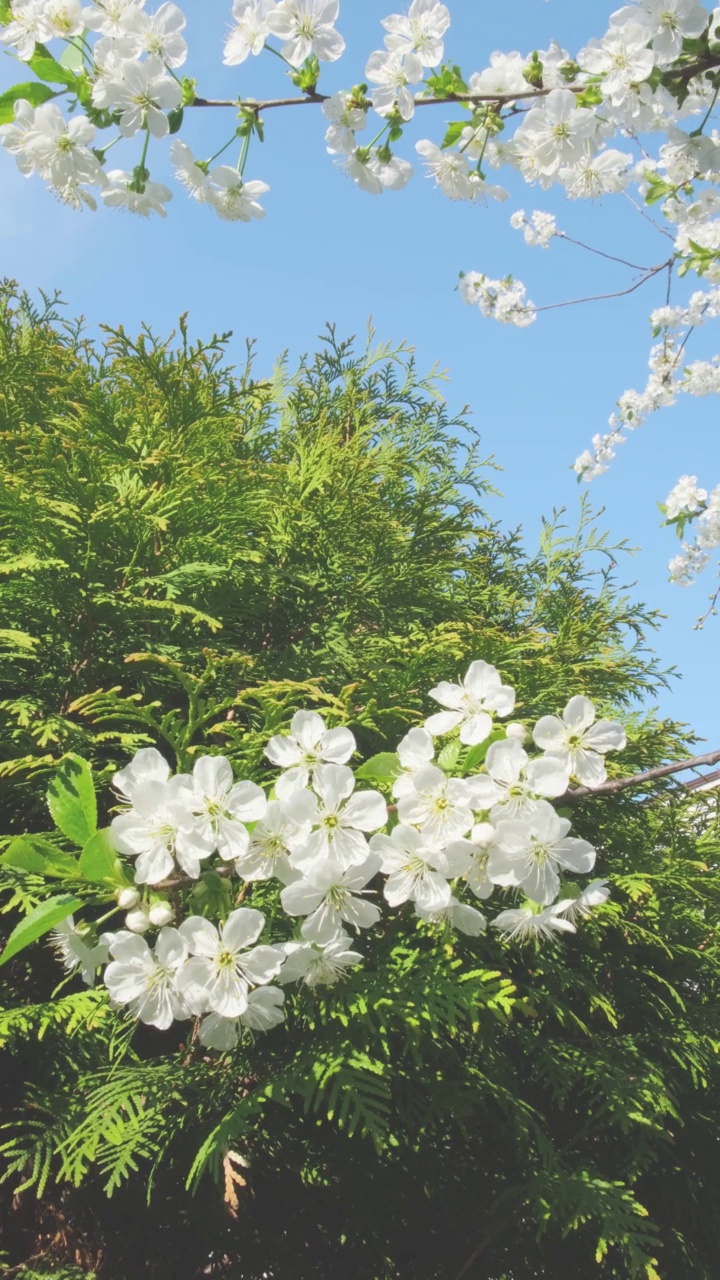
<point x="160" y="913"/>
<point x="128" y="898"/>
<point x="137" y="921"/>
<point x="517" y="731"/>
<point x="483" y="833"/>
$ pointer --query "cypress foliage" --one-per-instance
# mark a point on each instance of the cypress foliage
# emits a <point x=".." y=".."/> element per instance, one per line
<point x="190" y="553"/>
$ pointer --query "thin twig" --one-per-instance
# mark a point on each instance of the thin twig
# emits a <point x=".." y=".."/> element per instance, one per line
<point x="601" y="297"/>
<point x="562" y="235"/>
<point x="637" y="779"/>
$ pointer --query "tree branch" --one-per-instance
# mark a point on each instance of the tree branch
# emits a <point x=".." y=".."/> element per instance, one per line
<point x="466" y="99"/>
<point x="637" y="779"/>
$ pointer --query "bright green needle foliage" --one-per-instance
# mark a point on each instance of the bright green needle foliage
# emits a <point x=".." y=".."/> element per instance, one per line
<point x="189" y="554"/>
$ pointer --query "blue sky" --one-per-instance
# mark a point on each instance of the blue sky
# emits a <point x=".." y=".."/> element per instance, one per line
<point x="327" y="251"/>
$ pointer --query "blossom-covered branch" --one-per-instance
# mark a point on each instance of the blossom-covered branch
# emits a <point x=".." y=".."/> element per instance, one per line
<point x="632" y="110"/>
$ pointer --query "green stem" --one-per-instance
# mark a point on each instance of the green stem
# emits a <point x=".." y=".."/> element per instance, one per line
<point x="697" y="132"/>
<point x="145" y="149"/>
<point x="242" y="159"/>
<point x="222" y="149"/>
<point x="279" y="55"/>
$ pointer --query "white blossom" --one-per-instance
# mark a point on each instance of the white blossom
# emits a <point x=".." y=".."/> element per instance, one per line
<point x="440" y="806"/>
<point x="595" y="175"/>
<point x="329" y="898"/>
<point x="188" y="171"/>
<point x="250" y="31"/>
<point x="525" y="924"/>
<point x="471" y="704"/>
<point x="157" y="34"/>
<point x="160" y="829"/>
<point x="415" y="751"/>
<point x="538" y="230"/>
<point x="583" y="904"/>
<point x="621" y="57"/>
<point x="315" y="966"/>
<point x="530" y="853"/>
<point x="108" y="16"/>
<point x="458" y="915"/>
<point x="146" y="980"/>
<point x="502" y="300"/>
<point x="392" y="73"/>
<point x="504" y="77"/>
<point x="477" y="849"/>
<point x="306" y="26"/>
<point x="142" y="92"/>
<point x="71" y="945"/>
<point x="29" y="24"/>
<point x="123" y="191"/>
<point x="686" y="498"/>
<point x="232" y="198"/>
<point x="264" y="1011"/>
<point x="224" y="965"/>
<point x="308" y="745"/>
<point x="420" y="31"/>
<point x="513" y="783"/>
<point x="557" y="133"/>
<point x="416" y="871"/>
<point x="268" y="852"/>
<point x="578" y="742"/>
<point x="147" y="765"/>
<point x="449" y="169"/>
<point x="223" y="806"/>
<point x="338" y="819"/>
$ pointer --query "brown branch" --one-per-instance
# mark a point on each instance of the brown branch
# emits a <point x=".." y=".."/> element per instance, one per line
<point x="624" y="784"/>
<point x="464" y="99"/>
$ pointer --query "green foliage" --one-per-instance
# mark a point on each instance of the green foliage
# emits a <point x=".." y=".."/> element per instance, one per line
<point x="190" y="554"/>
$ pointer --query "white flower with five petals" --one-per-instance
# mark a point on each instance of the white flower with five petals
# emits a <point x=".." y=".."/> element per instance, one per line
<point x="513" y="783"/>
<point x="578" y="742"/>
<point x="306" y="26"/>
<point x="440" y="806"/>
<point x="224" y="965"/>
<point x="392" y="73"/>
<point x="160" y="829"/>
<point x="267" y="856"/>
<point x="250" y="31"/>
<point x="146" y="980"/>
<point x="525" y="924"/>
<point x="530" y="854"/>
<point x="420" y="31"/>
<point x="308" y="745"/>
<point x="223" y="806"/>
<point x="339" y="820"/>
<point x="471" y="704"/>
<point x="415" y="751"/>
<point x="264" y="1011"/>
<point x="330" y="898"/>
<point x="416" y="872"/>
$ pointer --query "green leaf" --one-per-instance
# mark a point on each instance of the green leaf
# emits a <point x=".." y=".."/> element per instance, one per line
<point x="384" y="767"/>
<point x="5" y="11"/>
<point x="72" y="57"/>
<point x="31" y="92"/>
<point x="450" y="755"/>
<point x="46" y="67"/>
<point x="476" y="755"/>
<point x="30" y="853"/>
<point x="99" y="861"/>
<point x="71" y="800"/>
<point x="454" y="133"/>
<point x="39" y="922"/>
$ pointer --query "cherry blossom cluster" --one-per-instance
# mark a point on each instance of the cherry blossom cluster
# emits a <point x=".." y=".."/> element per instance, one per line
<point x="630" y="113"/>
<point x="466" y="813"/>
